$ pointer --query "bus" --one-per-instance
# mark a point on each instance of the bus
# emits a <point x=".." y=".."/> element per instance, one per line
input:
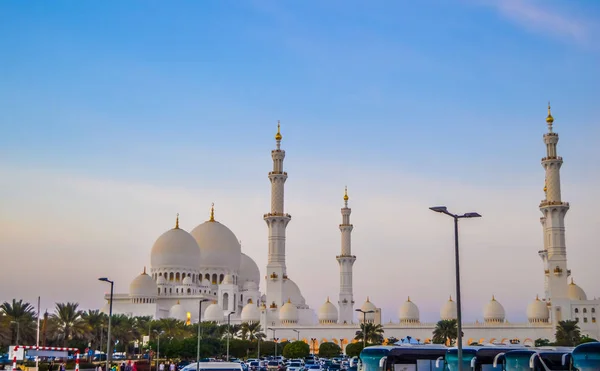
<point x="415" y="358"/>
<point x="536" y="360"/>
<point x="586" y="357"/>
<point x="370" y="357"/>
<point x="481" y="358"/>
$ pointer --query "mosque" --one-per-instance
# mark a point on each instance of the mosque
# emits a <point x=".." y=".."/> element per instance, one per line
<point x="207" y="264"/>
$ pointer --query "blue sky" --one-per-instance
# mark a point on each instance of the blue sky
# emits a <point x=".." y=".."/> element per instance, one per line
<point x="409" y="103"/>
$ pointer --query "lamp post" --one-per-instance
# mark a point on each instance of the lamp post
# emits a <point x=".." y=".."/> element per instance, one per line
<point x="313" y="341"/>
<point x="364" y="329"/>
<point x="274" y="339"/>
<point x="158" y="346"/>
<point x="199" y="329"/>
<point x="108" y="341"/>
<point x="228" y="333"/>
<point x="18" y="330"/>
<point x="297" y="332"/>
<point x="456" y="217"/>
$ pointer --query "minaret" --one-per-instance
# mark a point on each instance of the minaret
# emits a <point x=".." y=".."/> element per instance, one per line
<point x="346" y="261"/>
<point x="554" y="210"/>
<point x="277" y="220"/>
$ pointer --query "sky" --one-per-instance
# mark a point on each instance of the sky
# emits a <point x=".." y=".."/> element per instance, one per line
<point x="115" y="116"/>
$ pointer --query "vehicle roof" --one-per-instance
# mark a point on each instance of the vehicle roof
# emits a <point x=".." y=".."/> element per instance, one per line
<point x="217" y="365"/>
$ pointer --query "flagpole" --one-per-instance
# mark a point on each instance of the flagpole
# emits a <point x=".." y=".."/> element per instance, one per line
<point x="37" y="340"/>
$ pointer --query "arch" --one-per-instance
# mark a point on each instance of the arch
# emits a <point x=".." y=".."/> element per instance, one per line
<point x="177" y="277"/>
<point x="225" y="301"/>
<point x="584" y="310"/>
<point x="503" y="341"/>
<point x="482" y="341"/>
<point x="171" y="276"/>
<point x="200" y="278"/>
<point x="189" y="291"/>
<point x="170" y="290"/>
<point x="221" y="276"/>
<point x="207" y="277"/>
<point x="242" y="298"/>
<point x="214" y="278"/>
<point x="249" y="300"/>
<point x="159" y="291"/>
<point x="492" y="340"/>
<point x="529" y="342"/>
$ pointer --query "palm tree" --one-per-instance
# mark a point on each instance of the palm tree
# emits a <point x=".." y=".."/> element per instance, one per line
<point x="5" y="333"/>
<point x="96" y="321"/>
<point x="68" y="323"/>
<point x="567" y="333"/>
<point x="445" y="331"/>
<point x="23" y="314"/>
<point x="374" y="333"/>
<point x="252" y="331"/>
<point x="231" y="330"/>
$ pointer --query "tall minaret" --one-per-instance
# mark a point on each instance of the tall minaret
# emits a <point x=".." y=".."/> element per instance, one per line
<point x="346" y="261"/>
<point x="554" y="210"/>
<point x="277" y="220"/>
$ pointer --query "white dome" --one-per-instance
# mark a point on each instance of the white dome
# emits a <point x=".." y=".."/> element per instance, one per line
<point x="409" y="312"/>
<point x="288" y="313"/>
<point x="328" y="313"/>
<point x="187" y="280"/>
<point x="177" y="312"/>
<point x="143" y="286"/>
<point x="538" y="311"/>
<point x="213" y="313"/>
<point x="366" y="307"/>
<point x="161" y="280"/>
<point x="250" y="312"/>
<point x="220" y="248"/>
<point x="248" y="270"/>
<point x="575" y="292"/>
<point x="227" y="280"/>
<point x="175" y="249"/>
<point x="494" y="311"/>
<point x="292" y="291"/>
<point x="448" y="310"/>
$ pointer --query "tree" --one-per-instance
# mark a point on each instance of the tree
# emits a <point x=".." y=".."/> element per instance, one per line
<point x="329" y="350"/>
<point x="67" y="322"/>
<point x="374" y="333"/>
<point x="567" y="333"/>
<point x="354" y="349"/>
<point x="541" y="342"/>
<point x="22" y="314"/>
<point x="297" y="349"/>
<point x="251" y="331"/>
<point x="96" y="321"/>
<point x="445" y="330"/>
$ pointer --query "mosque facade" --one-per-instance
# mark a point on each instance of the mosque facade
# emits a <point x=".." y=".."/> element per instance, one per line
<point x="207" y="264"/>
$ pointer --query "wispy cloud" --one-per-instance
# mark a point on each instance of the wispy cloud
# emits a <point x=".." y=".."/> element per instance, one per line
<point x="541" y="17"/>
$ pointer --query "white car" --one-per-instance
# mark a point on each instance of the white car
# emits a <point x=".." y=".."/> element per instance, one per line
<point x="295" y="366"/>
<point x="214" y="366"/>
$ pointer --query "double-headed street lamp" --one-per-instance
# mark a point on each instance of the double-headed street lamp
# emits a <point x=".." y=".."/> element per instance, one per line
<point x="228" y="333"/>
<point x="108" y="345"/>
<point x="158" y="334"/>
<point x="199" y="329"/>
<point x="297" y="332"/>
<point x="364" y="329"/>
<point x="444" y="210"/>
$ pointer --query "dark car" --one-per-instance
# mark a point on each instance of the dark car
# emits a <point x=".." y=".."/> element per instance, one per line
<point x="334" y="367"/>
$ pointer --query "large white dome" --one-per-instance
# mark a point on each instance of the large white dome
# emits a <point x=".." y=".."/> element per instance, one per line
<point x="409" y="312"/>
<point x="143" y="286"/>
<point x="367" y="307"/>
<point x="328" y="313"/>
<point x="292" y="291"/>
<point x="219" y="246"/>
<point x="214" y="313"/>
<point x="538" y="311"/>
<point x="575" y="292"/>
<point x="250" y="312"/>
<point x="288" y="314"/>
<point x="448" y="310"/>
<point x="248" y="270"/>
<point x="175" y="249"/>
<point x="178" y="312"/>
<point x="494" y="312"/>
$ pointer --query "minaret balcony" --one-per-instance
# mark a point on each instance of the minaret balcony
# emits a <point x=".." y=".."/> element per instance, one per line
<point x="268" y="215"/>
<point x="277" y="173"/>
<point x="546" y="271"/>
<point x="345" y="256"/>
<point x="545" y="203"/>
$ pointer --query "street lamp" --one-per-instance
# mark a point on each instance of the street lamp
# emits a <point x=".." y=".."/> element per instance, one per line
<point x="313" y="340"/>
<point x="228" y="332"/>
<point x="158" y="346"/>
<point x="18" y="329"/>
<point x="364" y="329"/>
<point x="444" y="210"/>
<point x="199" y="329"/>
<point x="297" y="332"/>
<point x="108" y="341"/>
<point x="274" y="339"/>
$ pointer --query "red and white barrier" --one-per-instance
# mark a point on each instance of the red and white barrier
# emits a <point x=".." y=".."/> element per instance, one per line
<point x="35" y="347"/>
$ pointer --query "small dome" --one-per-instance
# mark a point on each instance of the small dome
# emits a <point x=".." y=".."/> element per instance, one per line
<point x="409" y="312"/>
<point x="213" y="313"/>
<point x="448" y="310"/>
<point x="187" y="281"/>
<point x="177" y="312"/>
<point x="367" y="307"/>
<point x="328" y="313"/>
<point x="292" y="291"/>
<point x="219" y="246"/>
<point x="175" y="249"/>
<point x="250" y="312"/>
<point x="575" y="292"/>
<point x="288" y="313"/>
<point x="161" y="280"/>
<point x="227" y="280"/>
<point x="143" y="286"/>
<point x="538" y="311"/>
<point x="249" y="271"/>
<point x="493" y="312"/>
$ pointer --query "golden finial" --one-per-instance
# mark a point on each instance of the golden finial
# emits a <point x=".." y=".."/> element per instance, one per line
<point x="572" y="283"/>
<point x="549" y="119"/>
<point x="537" y="297"/>
<point x="250" y="301"/>
<point x="212" y="212"/>
<point x="408" y="299"/>
<point x="177" y="302"/>
<point x="144" y="270"/>
<point x="177" y="221"/>
<point x="289" y="300"/>
<point x="368" y="300"/>
<point x="450" y="298"/>
<point x="328" y="299"/>
<point x="278" y="136"/>
<point x="214" y="302"/>
<point x="346" y="198"/>
<point x="493" y="298"/>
